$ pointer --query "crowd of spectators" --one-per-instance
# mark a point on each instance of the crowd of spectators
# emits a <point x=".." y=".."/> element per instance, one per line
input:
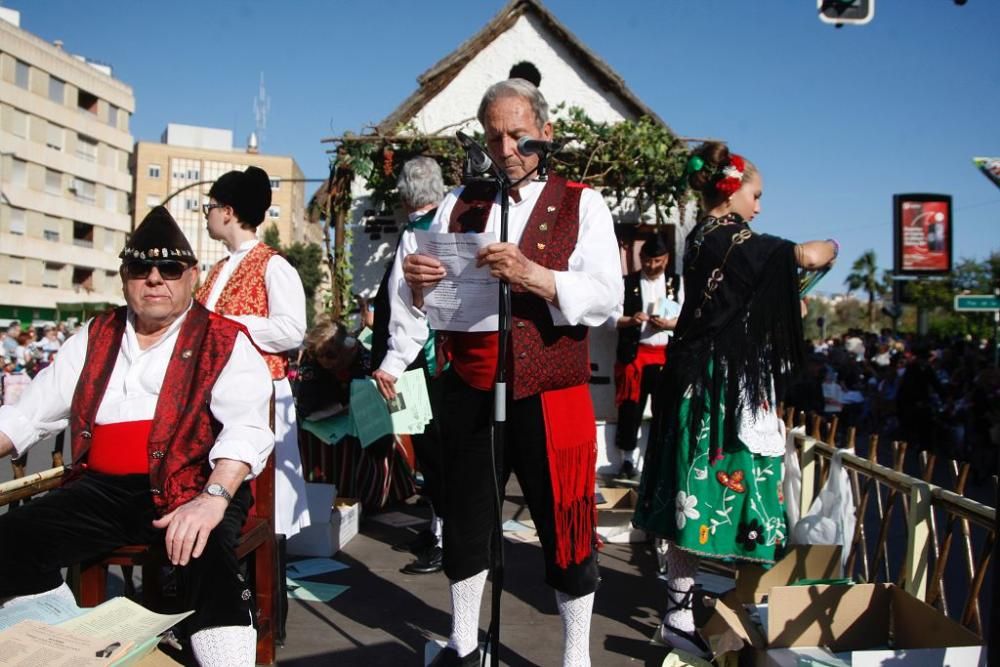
<point x="939" y="395"/>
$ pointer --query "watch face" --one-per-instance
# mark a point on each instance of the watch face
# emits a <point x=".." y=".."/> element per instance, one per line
<point x="217" y="490"/>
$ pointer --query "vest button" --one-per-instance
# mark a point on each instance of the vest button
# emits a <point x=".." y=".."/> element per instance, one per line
<point x="159" y="454"/>
<point x="520" y="325"/>
<point x="86" y="435"/>
<point x="155" y="492"/>
<point x="523" y="355"/>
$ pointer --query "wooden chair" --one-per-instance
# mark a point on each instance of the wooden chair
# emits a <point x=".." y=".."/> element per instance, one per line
<point x="256" y="542"/>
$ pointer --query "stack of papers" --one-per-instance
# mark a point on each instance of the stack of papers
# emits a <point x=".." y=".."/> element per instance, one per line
<point x="373" y="417"/>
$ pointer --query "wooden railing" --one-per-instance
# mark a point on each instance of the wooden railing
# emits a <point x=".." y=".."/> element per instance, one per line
<point x="937" y="522"/>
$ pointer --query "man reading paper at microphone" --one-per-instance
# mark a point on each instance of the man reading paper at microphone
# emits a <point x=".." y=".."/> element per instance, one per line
<point x="565" y="274"/>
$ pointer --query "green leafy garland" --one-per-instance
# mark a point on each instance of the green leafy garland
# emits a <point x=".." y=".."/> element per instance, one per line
<point x="640" y="159"/>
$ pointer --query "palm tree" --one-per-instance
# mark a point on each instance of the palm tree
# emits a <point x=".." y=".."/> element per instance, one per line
<point x="864" y="275"/>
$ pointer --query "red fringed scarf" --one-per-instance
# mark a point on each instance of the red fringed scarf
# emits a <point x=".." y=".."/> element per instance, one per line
<point x="571" y="446"/>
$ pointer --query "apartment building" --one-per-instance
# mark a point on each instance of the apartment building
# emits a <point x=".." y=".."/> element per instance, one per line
<point x="179" y="171"/>
<point x="65" y="184"/>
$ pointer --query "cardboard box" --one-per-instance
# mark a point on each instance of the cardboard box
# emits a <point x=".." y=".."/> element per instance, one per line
<point x="855" y="624"/>
<point x="808" y="561"/>
<point x="614" y="516"/>
<point x="335" y="522"/>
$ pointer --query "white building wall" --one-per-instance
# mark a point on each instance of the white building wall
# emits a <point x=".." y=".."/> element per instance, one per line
<point x="563" y="80"/>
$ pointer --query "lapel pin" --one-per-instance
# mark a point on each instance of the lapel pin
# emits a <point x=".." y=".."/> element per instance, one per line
<point x="186" y="354"/>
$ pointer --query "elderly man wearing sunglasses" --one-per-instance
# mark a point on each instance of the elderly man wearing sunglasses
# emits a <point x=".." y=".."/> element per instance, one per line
<point x="169" y="411"/>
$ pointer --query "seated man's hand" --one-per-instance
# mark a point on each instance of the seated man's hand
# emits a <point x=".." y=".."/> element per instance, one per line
<point x="189" y="525"/>
<point x="386" y="384"/>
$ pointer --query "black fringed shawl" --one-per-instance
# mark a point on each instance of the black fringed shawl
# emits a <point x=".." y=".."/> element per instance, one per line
<point x="740" y="326"/>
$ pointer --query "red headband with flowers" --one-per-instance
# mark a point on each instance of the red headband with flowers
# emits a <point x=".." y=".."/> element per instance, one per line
<point x="729" y="178"/>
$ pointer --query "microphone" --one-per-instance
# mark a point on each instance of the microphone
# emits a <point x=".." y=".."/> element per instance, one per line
<point x="532" y="146"/>
<point x="476" y="158"/>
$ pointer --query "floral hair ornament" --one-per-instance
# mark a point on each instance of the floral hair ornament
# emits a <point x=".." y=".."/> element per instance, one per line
<point x="694" y="164"/>
<point x="730" y="177"/>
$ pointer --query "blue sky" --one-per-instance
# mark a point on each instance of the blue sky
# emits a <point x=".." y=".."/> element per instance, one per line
<point x="837" y="120"/>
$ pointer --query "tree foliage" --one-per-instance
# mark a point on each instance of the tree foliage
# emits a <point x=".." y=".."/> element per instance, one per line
<point x="864" y="276"/>
<point x="307" y="259"/>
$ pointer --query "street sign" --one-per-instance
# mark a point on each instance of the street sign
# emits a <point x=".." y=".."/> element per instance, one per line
<point x="977" y="302"/>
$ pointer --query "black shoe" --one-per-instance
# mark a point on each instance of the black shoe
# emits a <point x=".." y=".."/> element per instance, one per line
<point x="428" y="562"/>
<point x="627" y="470"/>
<point x="448" y="657"/>
<point x="424" y="540"/>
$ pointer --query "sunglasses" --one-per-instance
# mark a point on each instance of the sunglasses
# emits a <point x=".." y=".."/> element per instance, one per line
<point x="169" y="269"/>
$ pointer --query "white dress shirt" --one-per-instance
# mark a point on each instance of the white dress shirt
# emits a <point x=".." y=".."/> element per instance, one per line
<point x="240" y="400"/>
<point x="285" y="326"/>
<point x="586" y="292"/>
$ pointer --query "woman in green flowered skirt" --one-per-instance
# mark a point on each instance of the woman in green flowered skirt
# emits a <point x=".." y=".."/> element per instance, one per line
<point x="729" y="508"/>
<point x="711" y="483"/>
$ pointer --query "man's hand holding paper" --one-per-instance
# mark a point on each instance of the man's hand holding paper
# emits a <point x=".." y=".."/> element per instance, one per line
<point x="458" y="294"/>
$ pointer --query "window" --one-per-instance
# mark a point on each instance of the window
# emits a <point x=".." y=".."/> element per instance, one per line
<point x="86" y="101"/>
<point x="112" y="115"/>
<point x="152" y="201"/>
<point x="83" y="234"/>
<point x="15" y="270"/>
<point x="83" y="277"/>
<point x="53" y="182"/>
<point x="50" y="228"/>
<point x="21" y="71"/>
<point x="16" y="224"/>
<point x="109" y="242"/>
<point x="111" y="199"/>
<point x="54" y="138"/>
<point x="274" y="212"/>
<point x="50" y="277"/>
<point x="191" y="204"/>
<point x="154" y="171"/>
<point x="19" y="173"/>
<point x="275" y="183"/>
<point x="193" y="174"/>
<point x="57" y="90"/>
<point x="85" y="190"/>
<point x="19" y="123"/>
<point x="86" y="148"/>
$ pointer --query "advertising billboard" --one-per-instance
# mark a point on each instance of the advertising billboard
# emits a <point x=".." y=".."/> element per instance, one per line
<point x="922" y="231"/>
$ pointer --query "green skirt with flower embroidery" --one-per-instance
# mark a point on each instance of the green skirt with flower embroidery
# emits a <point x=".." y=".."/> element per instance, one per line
<point x="730" y="509"/>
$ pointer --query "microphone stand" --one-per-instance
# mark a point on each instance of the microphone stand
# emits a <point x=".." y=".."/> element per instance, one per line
<point x="498" y="426"/>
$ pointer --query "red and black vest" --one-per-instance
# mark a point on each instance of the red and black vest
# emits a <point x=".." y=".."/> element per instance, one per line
<point x="184" y="429"/>
<point x="245" y="293"/>
<point x="543" y="356"/>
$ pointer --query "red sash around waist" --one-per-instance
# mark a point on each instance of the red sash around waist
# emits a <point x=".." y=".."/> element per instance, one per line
<point x="628" y="377"/>
<point x="120" y="449"/>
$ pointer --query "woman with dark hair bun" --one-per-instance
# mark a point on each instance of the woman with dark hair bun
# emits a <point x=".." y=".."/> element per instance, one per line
<point x="712" y="482"/>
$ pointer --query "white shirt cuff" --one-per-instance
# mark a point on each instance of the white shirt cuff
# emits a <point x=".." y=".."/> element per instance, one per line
<point x="239" y="450"/>
<point x="393" y="365"/>
<point x="16" y="427"/>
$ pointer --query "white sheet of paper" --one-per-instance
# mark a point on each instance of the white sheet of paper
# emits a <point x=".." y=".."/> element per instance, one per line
<point x="313" y="566"/>
<point x="398" y="519"/>
<point x="120" y="619"/>
<point x="312" y="591"/>
<point x="467" y="298"/>
<point x="50" y="608"/>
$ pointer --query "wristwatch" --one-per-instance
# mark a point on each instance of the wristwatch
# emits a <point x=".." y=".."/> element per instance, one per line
<point x="218" y="491"/>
